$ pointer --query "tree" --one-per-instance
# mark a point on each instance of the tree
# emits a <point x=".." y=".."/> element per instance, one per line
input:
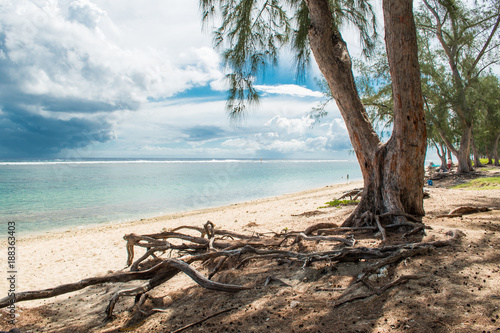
<point x="253" y="31"/>
<point x="467" y="41"/>
<point x="487" y="123"/>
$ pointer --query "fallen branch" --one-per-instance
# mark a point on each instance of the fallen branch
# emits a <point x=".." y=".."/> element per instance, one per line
<point x="393" y="258"/>
<point x="355" y="192"/>
<point x="202" y="320"/>
<point x="465" y="210"/>
<point x="317" y="226"/>
<point x="272" y="278"/>
<point x="380" y="291"/>
<point x="166" y="267"/>
<point x="219" y="232"/>
<point x="341" y="230"/>
<point x="348" y="242"/>
<point x="449" y="215"/>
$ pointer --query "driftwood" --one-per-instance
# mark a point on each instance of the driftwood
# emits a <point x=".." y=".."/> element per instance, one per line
<point x="352" y="194"/>
<point x="202" y="320"/>
<point x="465" y="210"/>
<point x="214" y="246"/>
<point x="350" y="297"/>
<point x="166" y="268"/>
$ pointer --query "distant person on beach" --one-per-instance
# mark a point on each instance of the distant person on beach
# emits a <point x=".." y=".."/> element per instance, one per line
<point x="449" y="164"/>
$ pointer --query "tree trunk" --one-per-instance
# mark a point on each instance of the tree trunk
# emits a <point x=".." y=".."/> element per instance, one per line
<point x="449" y="145"/>
<point x="495" y="150"/>
<point x="464" y="161"/>
<point x="442" y="154"/>
<point x="475" y="153"/>
<point x="489" y="154"/>
<point x="393" y="172"/>
<point x="449" y="154"/>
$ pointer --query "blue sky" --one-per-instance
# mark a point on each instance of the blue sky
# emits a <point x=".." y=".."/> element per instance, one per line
<point x="97" y="78"/>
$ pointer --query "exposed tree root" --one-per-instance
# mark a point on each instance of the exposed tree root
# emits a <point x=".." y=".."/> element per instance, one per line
<point x="221" y="249"/>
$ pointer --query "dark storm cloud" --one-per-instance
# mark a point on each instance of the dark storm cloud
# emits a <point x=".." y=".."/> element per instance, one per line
<point x="53" y="96"/>
<point x="27" y="134"/>
<point x="68" y="70"/>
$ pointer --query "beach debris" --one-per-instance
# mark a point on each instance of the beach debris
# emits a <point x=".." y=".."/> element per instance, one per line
<point x="202" y="320"/>
<point x="310" y="213"/>
<point x="271" y="279"/>
<point x="349" y="297"/>
<point x="352" y="194"/>
<point x="465" y="210"/>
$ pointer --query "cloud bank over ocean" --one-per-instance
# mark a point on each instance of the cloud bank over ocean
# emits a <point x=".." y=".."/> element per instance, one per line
<point x="93" y="79"/>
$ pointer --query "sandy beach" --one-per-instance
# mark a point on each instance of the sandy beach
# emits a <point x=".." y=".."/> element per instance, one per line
<point x="459" y="293"/>
<point x="54" y="258"/>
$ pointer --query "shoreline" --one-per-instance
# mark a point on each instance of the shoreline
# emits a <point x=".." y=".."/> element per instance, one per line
<point x="55" y="257"/>
<point x="153" y="188"/>
<point x="175" y="215"/>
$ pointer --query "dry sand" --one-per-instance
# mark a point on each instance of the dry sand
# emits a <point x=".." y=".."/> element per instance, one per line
<point x="459" y="291"/>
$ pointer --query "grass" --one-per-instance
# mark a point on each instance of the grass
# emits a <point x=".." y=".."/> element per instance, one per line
<point x="338" y="203"/>
<point x="488" y="183"/>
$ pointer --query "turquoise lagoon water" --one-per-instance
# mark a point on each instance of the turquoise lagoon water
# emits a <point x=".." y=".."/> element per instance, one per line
<point x="46" y="195"/>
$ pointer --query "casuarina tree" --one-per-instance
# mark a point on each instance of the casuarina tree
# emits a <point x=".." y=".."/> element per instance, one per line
<point x="251" y="33"/>
<point x="462" y="40"/>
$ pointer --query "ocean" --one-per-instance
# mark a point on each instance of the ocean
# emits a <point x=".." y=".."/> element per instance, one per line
<point x="61" y="194"/>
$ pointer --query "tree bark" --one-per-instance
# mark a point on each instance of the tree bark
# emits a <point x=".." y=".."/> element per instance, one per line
<point x="464" y="161"/>
<point x="393" y="172"/>
<point x="447" y="142"/>
<point x="475" y="153"/>
<point x="449" y="154"/>
<point x="489" y="154"/>
<point x="495" y="150"/>
<point x="441" y="154"/>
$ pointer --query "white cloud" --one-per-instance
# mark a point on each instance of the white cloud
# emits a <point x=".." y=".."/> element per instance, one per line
<point x="86" y="13"/>
<point x="289" y="89"/>
<point x="61" y="57"/>
<point x="183" y="127"/>
<point x="295" y="126"/>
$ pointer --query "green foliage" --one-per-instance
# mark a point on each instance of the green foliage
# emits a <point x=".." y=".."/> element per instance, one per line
<point x="375" y="88"/>
<point x="483" y="161"/>
<point x="339" y="203"/>
<point x="489" y="183"/>
<point x="458" y="42"/>
<point x="484" y="99"/>
<point x="252" y="33"/>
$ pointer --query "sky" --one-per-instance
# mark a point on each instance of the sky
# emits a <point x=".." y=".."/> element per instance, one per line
<point x="140" y="79"/>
